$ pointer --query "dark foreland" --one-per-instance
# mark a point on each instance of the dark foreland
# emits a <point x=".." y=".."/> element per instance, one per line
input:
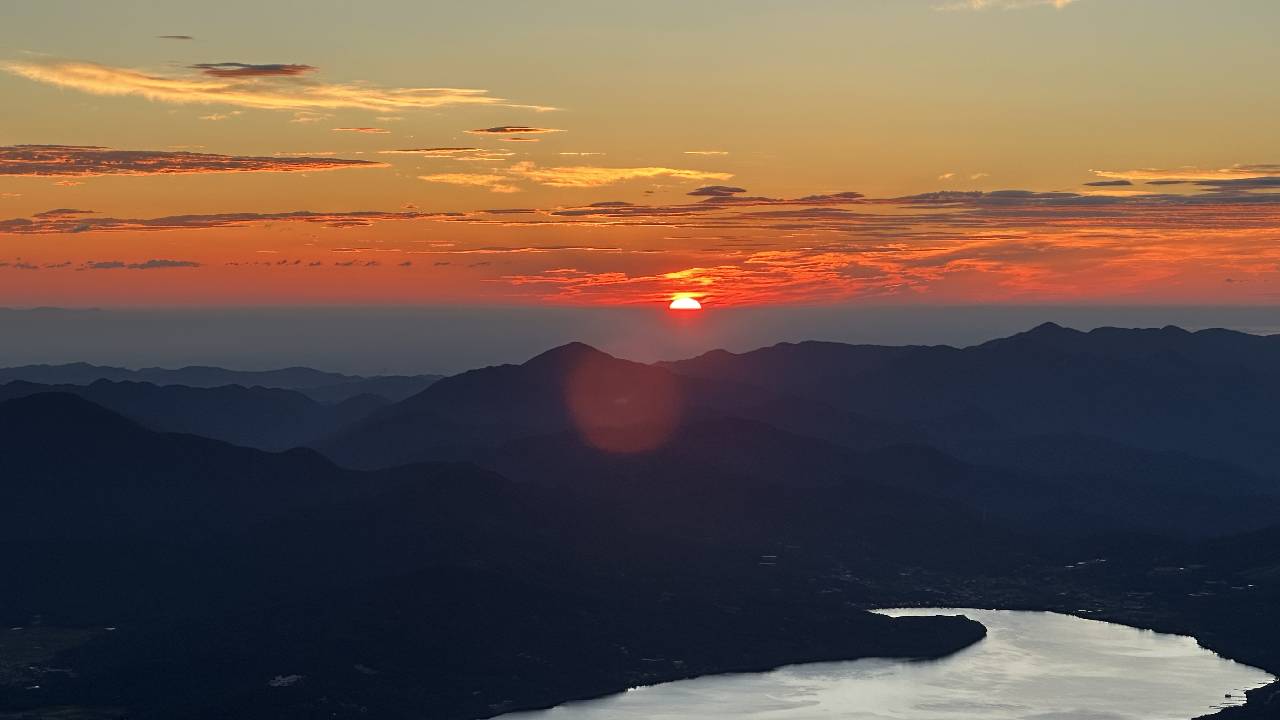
<point x="522" y="535"/>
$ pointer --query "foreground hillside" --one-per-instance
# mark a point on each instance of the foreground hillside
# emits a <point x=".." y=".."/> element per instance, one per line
<point x="220" y="570"/>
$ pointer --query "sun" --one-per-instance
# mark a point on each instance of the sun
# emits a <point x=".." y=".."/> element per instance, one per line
<point x="684" y="302"/>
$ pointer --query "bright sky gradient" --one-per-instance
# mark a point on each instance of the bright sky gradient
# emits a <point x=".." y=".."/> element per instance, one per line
<point x="608" y="153"/>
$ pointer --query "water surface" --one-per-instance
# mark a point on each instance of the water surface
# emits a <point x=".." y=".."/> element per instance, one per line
<point x="1031" y="666"/>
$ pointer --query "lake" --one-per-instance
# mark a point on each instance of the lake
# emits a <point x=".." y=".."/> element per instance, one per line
<point x="1031" y="665"/>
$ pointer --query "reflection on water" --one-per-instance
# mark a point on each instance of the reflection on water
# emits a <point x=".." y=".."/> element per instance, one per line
<point x="1031" y="666"/>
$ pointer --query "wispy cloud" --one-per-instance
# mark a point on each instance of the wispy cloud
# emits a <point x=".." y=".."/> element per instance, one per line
<point x="492" y="182"/>
<point x="77" y="224"/>
<point x="307" y="116"/>
<point x="737" y="249"/>
<point x="287" y="92"/>
<point x="513" y="130"/>
<point x="452" y="153"/>
<point x="1189" y="174"/>
<point x="706" y="152"/>
<point x="154" y="264"/>
<point x="585" y="176"/>
<point x="577" y="176"/>
<point x="365" y="130"/>
<point x="88" y="160"/>
<point x="61" y="213"/>
<point x="220" y="116"/>
<point x="243" y="70"/>
<point x="1002" y="4"/>
<point x="717" y="191"/>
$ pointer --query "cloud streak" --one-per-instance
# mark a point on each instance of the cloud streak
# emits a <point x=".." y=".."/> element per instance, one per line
<point x="1003" y="4"/>
<point x="154" y="264"/>
<point x="244" y="70"/>
<point x="89" y="160"/>
<point x="254" y="91"/>
<point x="65" y="224"/>
<point x="584" y="176"/>
<point x="734" y="248"/>
<point x="513" y="130"/>
<point x="1191" y="174"/>
<point x="493" y="182"/>
<point x="502" y="180"/>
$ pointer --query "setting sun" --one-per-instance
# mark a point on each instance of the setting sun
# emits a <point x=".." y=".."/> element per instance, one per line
<point x="685" y="302"/>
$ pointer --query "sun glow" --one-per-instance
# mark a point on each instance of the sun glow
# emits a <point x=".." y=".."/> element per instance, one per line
<point x="684" y="302"/>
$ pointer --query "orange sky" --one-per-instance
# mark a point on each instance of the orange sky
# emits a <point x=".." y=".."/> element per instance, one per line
<point x="807" y="153"/>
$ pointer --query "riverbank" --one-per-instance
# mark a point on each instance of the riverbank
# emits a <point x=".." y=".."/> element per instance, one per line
<point x="1226" y="613"/>
<point x="913" y="638"/>
<point x="1066" y="666"/>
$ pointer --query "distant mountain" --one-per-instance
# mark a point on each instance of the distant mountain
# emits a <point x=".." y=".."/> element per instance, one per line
<point x="618" y="404"/>
<point x="1210" y="393"/>
<point x="645" y="425"/>
<point x="266" y="418"/>
<point x="317" y="384"/>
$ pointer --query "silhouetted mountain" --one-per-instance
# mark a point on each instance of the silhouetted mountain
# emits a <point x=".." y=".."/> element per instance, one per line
<point x="624" y="405"/>
<point x="316" y="384"/>
<point x="429" y="589"/>
<point x="1046" y="501"/>
<point x="266" y="418"/>
<point x="1210" y="393"/>
<point x="616" y="523"/>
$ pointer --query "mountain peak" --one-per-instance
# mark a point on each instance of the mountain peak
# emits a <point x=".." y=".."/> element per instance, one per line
<point x="1048" y="328"/>
<point x="569" y="353"/>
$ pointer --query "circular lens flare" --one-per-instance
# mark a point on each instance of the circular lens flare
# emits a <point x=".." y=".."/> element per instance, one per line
<point x="684" y="302"/>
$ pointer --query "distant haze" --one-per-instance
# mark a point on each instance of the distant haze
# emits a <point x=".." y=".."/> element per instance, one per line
<point x="372" y="340"/>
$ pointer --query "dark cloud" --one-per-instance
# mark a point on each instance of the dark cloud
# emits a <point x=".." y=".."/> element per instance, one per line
<point x="840" y="197"/>
<point x="154" y="264"/>
<point x="241" y="70"/>
<point x="43" y="226"/>
<point x="90" y="160"/>
<point x="61" y="213"/>
<point x="717" y="191"/>
<point x="175" y="37"/>
<point x="1109" y="183"/>
<point x="1240" y="203"/>
<point x="512" y="130"/>
<point x="432" y="151"/>
<point x="1270" y="181"/>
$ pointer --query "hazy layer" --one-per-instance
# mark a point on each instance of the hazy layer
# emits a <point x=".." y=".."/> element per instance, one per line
<point x="370" y="340"/>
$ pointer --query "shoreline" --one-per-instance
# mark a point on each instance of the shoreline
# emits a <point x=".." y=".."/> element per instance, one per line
<point x="1261" y="702"/>
<point x="661" y="677"/>
<point x="1255" y="698"/>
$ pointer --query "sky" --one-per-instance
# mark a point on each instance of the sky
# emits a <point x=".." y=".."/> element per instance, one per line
<point x="808" y="153"/>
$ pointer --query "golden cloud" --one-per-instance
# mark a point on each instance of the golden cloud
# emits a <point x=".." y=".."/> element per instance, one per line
<point x="266" y="93"/>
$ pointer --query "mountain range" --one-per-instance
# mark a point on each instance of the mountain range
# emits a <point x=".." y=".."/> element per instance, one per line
<point x="319" y="385"/>
<point x="521" y="535"/>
